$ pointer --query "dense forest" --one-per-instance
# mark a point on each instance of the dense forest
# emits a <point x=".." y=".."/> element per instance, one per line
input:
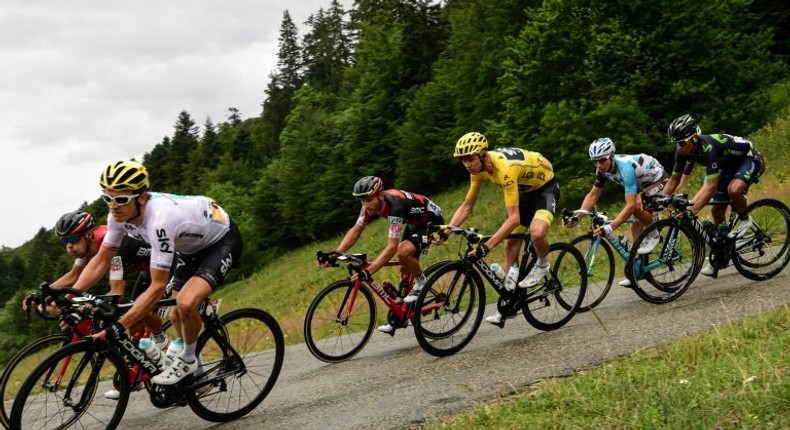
<point x="387" y="87"/>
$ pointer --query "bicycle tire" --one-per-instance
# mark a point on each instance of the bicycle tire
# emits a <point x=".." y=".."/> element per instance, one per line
<point x="330" y="336"/>
<point x="450" y="309"/>
<point x="600" y="266"/>
<point x="763" y="251"/>
<point x="566" y="283"/>
<point x="22" y="363"/>
<point x="240" y="376"/>
<point x="73" y="401"/>
<point x="675" y="265"/>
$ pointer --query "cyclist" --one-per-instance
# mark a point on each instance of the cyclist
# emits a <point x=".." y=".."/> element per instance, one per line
<point x="732" y="164"/>
<point x="408" y="215"/>
<point x="82" y="237"/>
<point x="531" y="193"/>
<point x="207" y="241"/>
<point x="639" y="175"/>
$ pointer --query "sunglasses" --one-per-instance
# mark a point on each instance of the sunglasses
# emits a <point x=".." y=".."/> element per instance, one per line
<point x="681" y="143"/>
<point x="118" y="200"/>
<point x="71" y="239"/>
<point x="599" y="161"/>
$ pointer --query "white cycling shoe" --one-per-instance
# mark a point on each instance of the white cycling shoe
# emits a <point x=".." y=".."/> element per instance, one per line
<point x="177" y="371"/>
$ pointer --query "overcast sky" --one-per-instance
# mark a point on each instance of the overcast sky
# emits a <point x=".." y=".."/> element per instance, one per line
<point x="85" y="83"/>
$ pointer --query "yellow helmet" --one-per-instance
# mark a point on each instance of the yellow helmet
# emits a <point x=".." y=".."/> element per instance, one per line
<point x="125" y="175"/>
<point x="469" y="144"/>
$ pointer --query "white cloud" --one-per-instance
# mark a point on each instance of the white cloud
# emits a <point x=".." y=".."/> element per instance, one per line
<point x="85" y="83"/>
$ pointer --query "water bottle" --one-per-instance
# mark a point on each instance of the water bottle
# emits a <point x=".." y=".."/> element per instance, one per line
<point x="723" y="231"/>
<point x="152" y="351"/>
<point x="709" y="227"/>
<point x="626" y="244"/>
<point x="512" y="277"/>
<point x="175" y="348"/>
<point x="499" y="272"/>
<point x="390" y="290"/>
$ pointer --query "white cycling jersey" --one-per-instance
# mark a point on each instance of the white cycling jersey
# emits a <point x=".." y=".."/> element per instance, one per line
<point x="171" y="223"/>
<point x="633" y="172"/>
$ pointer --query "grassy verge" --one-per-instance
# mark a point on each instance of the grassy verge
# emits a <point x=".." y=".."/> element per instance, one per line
<point x="732" y="377"/>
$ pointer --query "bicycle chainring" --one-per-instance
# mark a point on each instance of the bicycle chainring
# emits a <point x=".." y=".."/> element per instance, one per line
<point x="508" y="306"/>
<point x="395" y="322"/>
<point x="164" y="396"/>
<point x="719" y="258"/>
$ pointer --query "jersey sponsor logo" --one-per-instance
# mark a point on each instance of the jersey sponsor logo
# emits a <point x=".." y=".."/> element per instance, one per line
<point x="395" y="220"/>
<point x="226" y="264"/>
<point x="194" y="235"/>
<point x="143" y="252"/>
<point x="511" y="153"/>
<point x="116" y="263"/>
<point x="164" y="241"/>
<point x="707" y="147"/>
<point x="130" y="227"/>
<point x="721" y="138"/>
<point x="417" y="210"/>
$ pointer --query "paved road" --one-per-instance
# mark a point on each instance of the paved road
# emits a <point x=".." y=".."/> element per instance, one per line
<point x="393" y="384"/>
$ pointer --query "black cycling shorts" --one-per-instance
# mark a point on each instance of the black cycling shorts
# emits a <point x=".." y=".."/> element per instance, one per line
<point x="210" y="264"/>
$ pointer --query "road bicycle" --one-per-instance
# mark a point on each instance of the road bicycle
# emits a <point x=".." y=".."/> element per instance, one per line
<point x="77" y="326"/>
<point x="548" y="305"/>
<point x="599" y="257"/>
<point x="341" y="318"/>
<point x="242" y="353"/>
<point x="759" y="254"/>
<point x="20" y="365"/>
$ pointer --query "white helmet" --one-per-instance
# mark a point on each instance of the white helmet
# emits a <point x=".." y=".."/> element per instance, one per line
<point x="601" y="148"/>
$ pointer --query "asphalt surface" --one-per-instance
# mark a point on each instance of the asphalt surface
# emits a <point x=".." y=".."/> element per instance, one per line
<point x="393" y="384"/>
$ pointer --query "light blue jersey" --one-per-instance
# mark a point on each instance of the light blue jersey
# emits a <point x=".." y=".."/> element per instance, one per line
<point x="633" y="172"/>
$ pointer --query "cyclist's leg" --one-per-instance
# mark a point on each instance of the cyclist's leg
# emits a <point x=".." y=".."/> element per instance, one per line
<point x="417" y="241"/>
<point x="215" y="261"/>
<point x="718" y="208"/>
<point x="746" y="174"/>
<point x="544" y="204"/>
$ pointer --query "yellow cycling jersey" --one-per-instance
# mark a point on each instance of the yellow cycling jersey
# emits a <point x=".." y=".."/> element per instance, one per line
<point x="515" y="170"/>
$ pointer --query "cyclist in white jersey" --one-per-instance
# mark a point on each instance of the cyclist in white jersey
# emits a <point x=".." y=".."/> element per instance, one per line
<point x="208" y="244"/>
<point x="639" y="175"/>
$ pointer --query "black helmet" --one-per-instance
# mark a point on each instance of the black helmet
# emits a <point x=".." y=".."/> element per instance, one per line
<point x="682" y="128"/>
<point x="73" y="223"/>
<point x="367" y="186"/>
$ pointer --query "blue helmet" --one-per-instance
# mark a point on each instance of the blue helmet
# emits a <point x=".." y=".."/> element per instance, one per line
<point x="601" y="148"/>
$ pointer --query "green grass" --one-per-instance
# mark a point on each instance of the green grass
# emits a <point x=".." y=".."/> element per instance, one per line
<point x="732" y="377"/>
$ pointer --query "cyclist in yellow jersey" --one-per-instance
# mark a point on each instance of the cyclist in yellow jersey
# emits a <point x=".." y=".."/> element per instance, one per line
<point x="531" y="193"/>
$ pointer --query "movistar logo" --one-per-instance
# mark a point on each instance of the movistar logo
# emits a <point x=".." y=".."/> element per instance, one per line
<point x="747" y="176"/>
<point x="707" y="147"/>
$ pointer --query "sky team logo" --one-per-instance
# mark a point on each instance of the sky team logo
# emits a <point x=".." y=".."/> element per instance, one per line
<point x="164" y="241"/>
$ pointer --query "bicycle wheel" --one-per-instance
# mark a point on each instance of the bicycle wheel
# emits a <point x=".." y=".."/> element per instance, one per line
<point x="333" y="330"/>
<point x="666" y="272"/>
<point x="551" y="303"/>
<point x="599" y="260"/>
<point x="241" y="360"/>
<point x="762" y="252"/>
<point x="61" y="391"/>
<point x="449" y="310"/>
<point x="22" y="363"/>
